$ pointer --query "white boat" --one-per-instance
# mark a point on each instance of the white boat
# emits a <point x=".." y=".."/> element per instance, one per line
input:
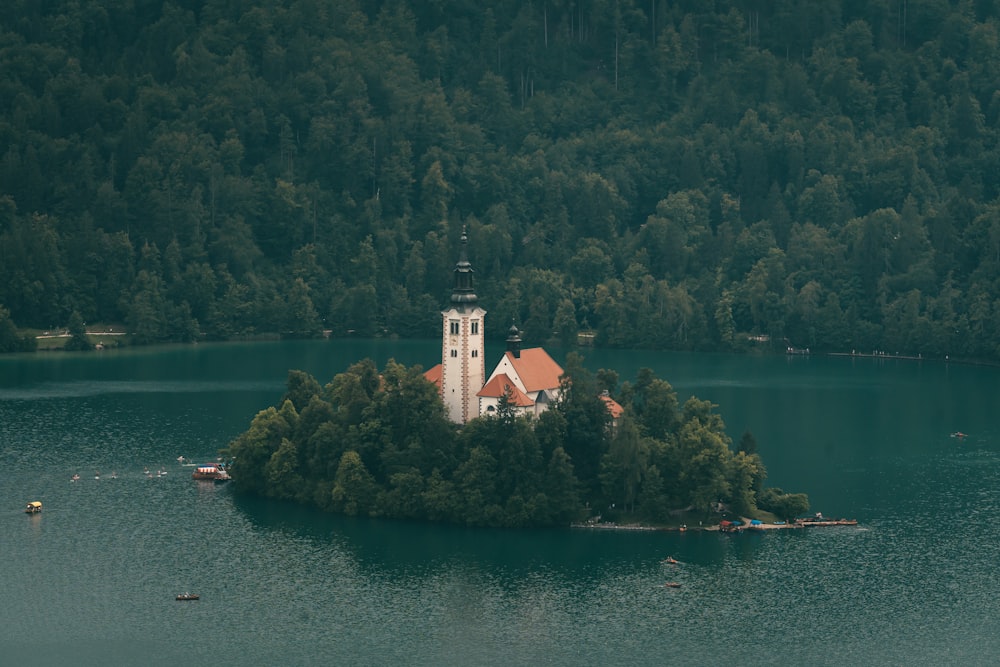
<point x="215" y="472"/>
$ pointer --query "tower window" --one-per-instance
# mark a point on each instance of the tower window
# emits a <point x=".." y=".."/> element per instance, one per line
<point x="454" y="353"/>
<point x="475" y="353"/>
<point x="454" y="328"/>
<point x="475" y="328"/>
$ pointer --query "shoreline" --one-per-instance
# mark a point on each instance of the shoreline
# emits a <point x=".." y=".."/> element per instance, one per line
<point x="721" y="527"/>
<point x="626" y="526"/>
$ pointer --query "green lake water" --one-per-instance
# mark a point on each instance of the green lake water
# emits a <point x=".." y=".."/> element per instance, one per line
<point x="92" y="579"/>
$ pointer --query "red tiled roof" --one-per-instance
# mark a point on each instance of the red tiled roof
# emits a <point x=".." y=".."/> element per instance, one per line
<point x="502" y="384"/>
<point x="613" y="407"/>
<point x="433" y="374"/>
<point x="536" y="369"/>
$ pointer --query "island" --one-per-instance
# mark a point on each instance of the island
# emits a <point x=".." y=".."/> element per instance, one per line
<point x="379" y="443"/>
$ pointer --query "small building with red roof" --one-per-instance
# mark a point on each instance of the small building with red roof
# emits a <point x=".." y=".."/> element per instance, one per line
<point x="614" y="409"/>
<point x="531" y="378"/>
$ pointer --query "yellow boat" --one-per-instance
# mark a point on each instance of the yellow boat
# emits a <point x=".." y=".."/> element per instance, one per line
<point x="34" y="507"/>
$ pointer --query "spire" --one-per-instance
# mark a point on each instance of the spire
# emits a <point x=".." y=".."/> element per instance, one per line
<point x="514" y="341"/>
<point x="462" y="294"/>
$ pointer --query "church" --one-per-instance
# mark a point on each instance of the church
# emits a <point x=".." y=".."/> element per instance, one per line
<point x="529" y="378"/>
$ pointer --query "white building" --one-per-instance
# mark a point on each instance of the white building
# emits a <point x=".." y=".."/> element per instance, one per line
<point x="530" y="378"/>
<point x="463" y="363"/>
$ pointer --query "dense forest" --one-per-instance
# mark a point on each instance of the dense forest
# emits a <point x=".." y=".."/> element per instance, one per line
<point x="378" y="443"/>
<point x="673" y="174"/>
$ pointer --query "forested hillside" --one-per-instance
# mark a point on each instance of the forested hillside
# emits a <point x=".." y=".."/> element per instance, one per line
<point x="673" y="174"/>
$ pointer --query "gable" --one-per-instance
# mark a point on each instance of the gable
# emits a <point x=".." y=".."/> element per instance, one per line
<point x="536" y="369"/>
<point x="501" y="384"/>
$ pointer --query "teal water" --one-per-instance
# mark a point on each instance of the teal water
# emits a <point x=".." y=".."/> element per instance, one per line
<point x="92" y="580"/>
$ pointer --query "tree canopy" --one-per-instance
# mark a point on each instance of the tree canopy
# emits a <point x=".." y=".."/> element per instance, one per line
<point x="378" y="443"/>
<point x="671" y="174"/>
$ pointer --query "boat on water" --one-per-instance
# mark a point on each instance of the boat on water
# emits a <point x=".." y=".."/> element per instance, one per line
<point x="34" y="507"/>
<point x="671" y="584"/>
<point x="215" y="472"/>
<point x="184" y="597"/>
<point x="670" y="560"/>
<point x="958" y="434"/>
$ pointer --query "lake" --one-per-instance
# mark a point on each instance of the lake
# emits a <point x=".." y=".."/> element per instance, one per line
<point x="92" y="579"/>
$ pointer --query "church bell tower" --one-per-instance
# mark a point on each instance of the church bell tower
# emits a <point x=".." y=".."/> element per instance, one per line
<point x="463" y="362"/>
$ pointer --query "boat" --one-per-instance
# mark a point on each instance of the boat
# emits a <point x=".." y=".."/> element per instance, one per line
<point x="958" y="434"/>
<point x="671" y="584"/>
<point x="34" y="507"/>
<point x="215" y="472"/>
<point x="183" y="597"/>
<point x="670" y="561"/>
<point x="74" y="477"/>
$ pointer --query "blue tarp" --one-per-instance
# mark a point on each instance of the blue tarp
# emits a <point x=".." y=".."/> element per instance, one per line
<point x="755" y="522"/>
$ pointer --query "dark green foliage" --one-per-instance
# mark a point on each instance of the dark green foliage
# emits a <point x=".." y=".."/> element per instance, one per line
<point x="748" y="443"/>
<point x="302" y="388"/>
<point x="378" y="444"/>
<point x="10" y="340"/>
<point x="78" y="340"/>
<point x="669" y="175"/>
<point x="785" y="505"/>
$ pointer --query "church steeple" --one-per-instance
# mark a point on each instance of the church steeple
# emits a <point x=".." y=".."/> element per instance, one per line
<point x="463" y="361"/>
<point x="514" y="341"/>
<point x="462" y="294"/>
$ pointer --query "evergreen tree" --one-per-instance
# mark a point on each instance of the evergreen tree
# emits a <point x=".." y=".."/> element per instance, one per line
<point x="78" y="334"/>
